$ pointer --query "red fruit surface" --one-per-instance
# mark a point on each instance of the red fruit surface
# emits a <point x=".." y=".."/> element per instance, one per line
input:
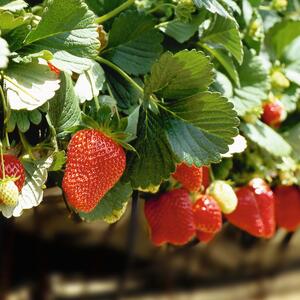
<point x="287" y="207"/>
<point x="207" y="214"/>
<point x="94" y="164"/>
<point x="13" y="168"/>
<point x="170" y="218"/>
<point x="273" y="113"/>
<point x="255" y="212"/>
<point x="53" y="69"/>
<point x="205" y="237"/>
<point x="189" y="176"/>
<point x="205" y="177"/>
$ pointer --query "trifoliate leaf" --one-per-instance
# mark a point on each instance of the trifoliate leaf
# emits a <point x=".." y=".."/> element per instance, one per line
<point x="4" y="53"/>
<point x="30" y="85"/>
<point x="90" y="82"/>
<point x="67" y="29"/>
<point x="224" y="32"/>
<point x="180" y="75"/>
<point x="114" y="200"/>
<point x="32" y="192"/>
<point x="134" y="44"/>
<point x="254" y="84"/>
<point x="12" y="5"/>
<point x="266" y="138"/>
<point x="64" y="111"/>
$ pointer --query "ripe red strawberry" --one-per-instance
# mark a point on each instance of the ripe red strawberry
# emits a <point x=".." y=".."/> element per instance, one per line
<point x="53" y="69"/>
<point x="207" y="214"/>
<point x="94" y="164"/>
<point x="205" y="177"/>
<point x="273" y="113"/>
<point x="255" y="210"/>
<point x="189" y="176"/>
<point x="13" y="168"/>
<point x="170" y="218"/>
<point x="205" y="237"/>
<point x="287" y="207"/>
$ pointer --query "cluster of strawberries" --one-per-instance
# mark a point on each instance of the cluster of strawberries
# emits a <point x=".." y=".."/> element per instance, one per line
<point x="12" y="178"/>
<point x="174" y="218"/>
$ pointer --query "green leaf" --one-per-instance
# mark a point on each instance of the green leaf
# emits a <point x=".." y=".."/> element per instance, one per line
<point x="35" y="116"/>
<point x="281" y="35"/>
<point x="23" y="122"/>
<point x="4" y="53"/>
<point x="213" y="6"/>
<point x="134" y="44"/>
<point x="29" y="85"/>
<point x="64" y="111"/>
<point x="181" y="31"/>
<point x="132" y="123"/>
<point x="180" y="75"/>
<point x="127" y="96"/>
<point x="59" y="159"/>
<point x="222" y="85"/>
<point x="204" y="126"/>
<point x="12" y="6"/>
<point x="224" y="32"/>
<point x="22" y="119"/>
<point x="67" y="29"/>
<point x="266" y="138"/>
<point x="114" y="200"/>
<point x="254" y="84"/>
<point x="153" y="162"/>
<point x="293" y="138"/>
<point x="225" y="60"/>
<point x="290" y="98"/>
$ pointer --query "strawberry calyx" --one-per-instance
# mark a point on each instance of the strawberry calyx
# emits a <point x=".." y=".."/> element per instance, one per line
<point x="109" y="124"/>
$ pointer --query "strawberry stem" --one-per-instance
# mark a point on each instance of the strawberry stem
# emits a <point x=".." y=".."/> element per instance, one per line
<point x="2" y="161"/>
<point x="26" y="146"/>
<point x="121" y="72"/>
<point x="114" y="12"/>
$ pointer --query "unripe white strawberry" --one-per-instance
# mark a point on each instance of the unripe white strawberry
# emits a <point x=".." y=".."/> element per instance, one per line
<point x="9" y="193"/>
<point x="224" y="195"/>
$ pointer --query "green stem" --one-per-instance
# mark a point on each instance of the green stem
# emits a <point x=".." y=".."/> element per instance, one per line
<point x="5" y="107"/>
<point x="26" y="145"/>
<point x="114" y="12"/>
<point x="158" y="7"/>
<point x="2" y="161"/>
<point x="121" y="72"/>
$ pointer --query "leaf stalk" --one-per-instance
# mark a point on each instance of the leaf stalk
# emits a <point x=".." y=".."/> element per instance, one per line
<point x="114" y="12"/>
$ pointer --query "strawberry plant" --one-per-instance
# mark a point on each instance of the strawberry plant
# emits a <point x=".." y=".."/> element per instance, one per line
<point x="181" y="103"/>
